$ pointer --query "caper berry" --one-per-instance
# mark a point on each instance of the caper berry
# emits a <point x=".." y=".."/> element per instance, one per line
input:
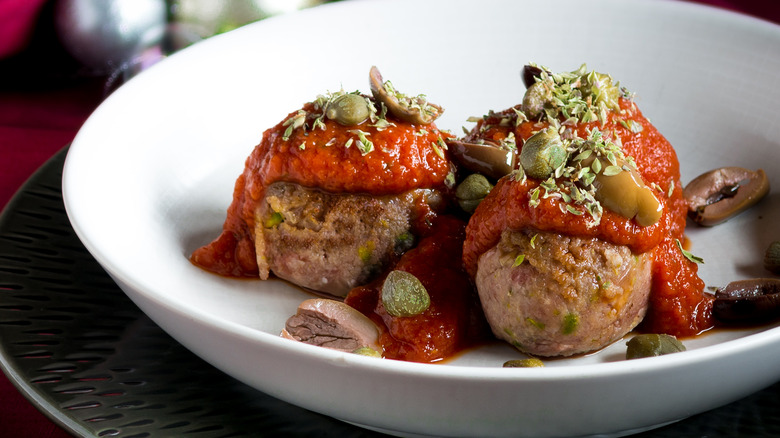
<point x="649" y="345"/>
<point x="772" y="258"/>
<point x="542" y="153"/>
<point x="471" y="191"/>
<point x="524" y="363"/>
<point x="404" y="295"/>
<point x="536" y="97"/>
<point x="348" y="109"/>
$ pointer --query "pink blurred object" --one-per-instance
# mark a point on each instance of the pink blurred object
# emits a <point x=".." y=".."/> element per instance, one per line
<point x="765" y="9"/>
<point x="17" y="20"/>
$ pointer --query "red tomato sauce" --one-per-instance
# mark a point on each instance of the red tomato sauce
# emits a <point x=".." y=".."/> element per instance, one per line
<point x="446" y="256"/>
<point x="678" y="304"/>
<point x="453" y="321"/>
<point x="403" y="159"/>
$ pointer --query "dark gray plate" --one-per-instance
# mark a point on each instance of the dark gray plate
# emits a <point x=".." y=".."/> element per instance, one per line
<point x="82" y="352"/>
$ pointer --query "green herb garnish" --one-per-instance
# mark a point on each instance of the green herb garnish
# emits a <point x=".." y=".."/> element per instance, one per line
<point x="688" y="255"/>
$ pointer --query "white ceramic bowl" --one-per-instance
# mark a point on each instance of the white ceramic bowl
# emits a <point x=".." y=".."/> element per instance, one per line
<point x="149" y="177"/>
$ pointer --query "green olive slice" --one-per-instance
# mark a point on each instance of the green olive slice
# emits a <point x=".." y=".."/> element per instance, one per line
<point x="649" y="345"/>
<point x="412" y="109"/>
<point x="367" y="351"/>
<point x="626" y="194"/>
<point x="720" y="194"/>
<point x="524" y="363"/>
<point x="404" y="295"/>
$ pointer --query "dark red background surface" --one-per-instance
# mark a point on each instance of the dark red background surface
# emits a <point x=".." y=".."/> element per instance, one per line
<point x="43" y="102"/>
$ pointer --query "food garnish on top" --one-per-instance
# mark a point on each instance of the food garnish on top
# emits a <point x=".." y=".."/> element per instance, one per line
<point x="335" y="191"/>
<point x="579" y="242"/>
<point x="569" y="233"/>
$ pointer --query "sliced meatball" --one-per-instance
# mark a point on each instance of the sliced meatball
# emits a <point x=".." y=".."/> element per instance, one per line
<point x="554" y="295"/>
<point x="333" y="242"/>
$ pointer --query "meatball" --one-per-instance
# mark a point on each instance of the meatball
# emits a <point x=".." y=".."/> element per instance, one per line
<point x="554" y="295"/>
<point x="332" y="242"/>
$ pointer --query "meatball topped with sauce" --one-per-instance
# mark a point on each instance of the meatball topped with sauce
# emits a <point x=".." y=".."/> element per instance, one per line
<point x="335" y="192"/>
<point x="571" y="248"/>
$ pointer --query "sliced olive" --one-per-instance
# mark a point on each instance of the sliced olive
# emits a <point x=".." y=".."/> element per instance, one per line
<point x="753" y="300"/>
<point x="471" y="191"/>
<point x="649" y="345"/>
<point x="772" y="258"/>
<point x="625" y="193"/>
<point x="412" y="109"/>
<point x="530" y="73"/>
<point x="524" y="363"/>
<point x="331" y="323"/>
<point x="367" y="351"/>
<point x="721" y="194"/>
<point x="488" y="158"/>
<point x="542" y="153"/>
<point x="404" y="295"/>
<point x="348" y="109"/>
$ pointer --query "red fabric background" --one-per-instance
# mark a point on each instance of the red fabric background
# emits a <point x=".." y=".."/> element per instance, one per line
<point x="33" y="127"/>
<point x="36" y="123"/>
<point x="16" y="24"/>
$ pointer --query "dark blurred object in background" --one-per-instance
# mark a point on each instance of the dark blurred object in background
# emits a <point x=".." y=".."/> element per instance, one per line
<point x="15" y="24"/>
<point x="44" y="43"/>
<point x="31" y="52"/>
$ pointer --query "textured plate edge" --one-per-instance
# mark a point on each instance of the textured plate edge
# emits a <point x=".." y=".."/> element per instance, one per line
<point x="37" y="398"/>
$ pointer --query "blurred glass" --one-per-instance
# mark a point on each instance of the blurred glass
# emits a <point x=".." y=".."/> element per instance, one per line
<point x="120" y="38"/>
<point x="56" y="42"/>
<point x="105" y="34"/>
<point x="210" y="17"/>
